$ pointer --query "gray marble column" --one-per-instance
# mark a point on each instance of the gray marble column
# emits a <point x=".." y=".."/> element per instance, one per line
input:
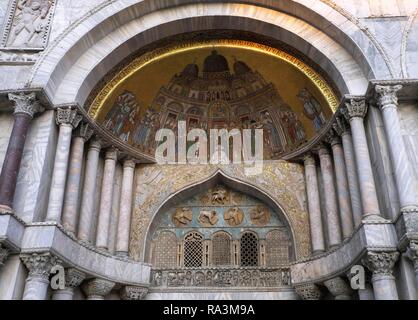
<point x="381" y="264"/>
<point x="88" y="192"/>
<point x="37" y="282"/>
<point x="412" y="254"/>
<point x="355" y="112"/>
<point x="366" y="293"/>
<point x="314" y="205"/>
<point x="102" y="236"/>
<point x="308" y="291"/>
<point x="346" y="215"/>
<point x="339" y="289"/>
<point x="72" y="193"/>
<point x="4" y="254"/>
<point x="343" y="129"/>
<point x="67" y="119"/>
<point x="133" y="293"/>
<point x="124" y="223"/>
<point x="331" y="206"/>
<point x="404" y="174"/>
<point x="97" y="289"/>
<point x="73" y="279"/>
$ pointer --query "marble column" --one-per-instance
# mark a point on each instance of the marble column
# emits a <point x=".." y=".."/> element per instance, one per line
<point x="308" y="291"/>
<point x="72" y="193"/>
<point x="124" y="223"/>
<point x="346" y="215"/>
<point x="338" y="288"/>
<point x="89" y="189"/>
<point x="67" y="119"/>
<point x="26" y="106"/>
<point x="331" y="206"/>
<point x="4" y="254"/>
<point x="73" y="279"/>
<point x="355" y="112"/>
<point x="381" y="265"/>
<point x="404" y="174"/>
<point x="314" y="205"/>
<point x="97" y="289"/>
<point x="366" y="293"/>
<point x="102" y="236"/>
<point x="37" y="282"/>
<point x="343" y="130"/>
<point x="412" y="254"/>
<point x="133" y="293"/>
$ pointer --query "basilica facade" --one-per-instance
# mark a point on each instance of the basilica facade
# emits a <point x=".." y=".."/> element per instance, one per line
<point x="88" y="92"/>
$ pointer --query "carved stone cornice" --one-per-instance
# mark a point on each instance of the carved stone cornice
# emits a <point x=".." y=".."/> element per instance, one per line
<point x="387" y="96"/>
<point x="85" y="131"/>
<point x="133" y="293"/>
<point x="381" y="263"/>
<point x="26" y="104"/>
<point x="338" y="288"/>
<point x="308" y="291"/>
<point x="39" y="264"/>
<point x="4" y="253"/>
<point x="356" y="108"/>
<point x="98" y="288"/>
<point x="73" y="278"/>
<point x="412" y="253"/>
<point x="68" y="116"/>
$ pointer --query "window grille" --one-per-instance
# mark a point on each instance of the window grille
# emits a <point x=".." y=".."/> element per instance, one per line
<point x="249" y="250"/>
<point x="193" y="250"/>
<point x="277" y="248"/>
<point x="221" y="249"/>
<point x="165" y="249"/>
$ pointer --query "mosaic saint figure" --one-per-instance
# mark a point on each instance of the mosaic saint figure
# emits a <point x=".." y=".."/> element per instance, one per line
<point x="271" y="130"/>
<point x="312" y="109"/>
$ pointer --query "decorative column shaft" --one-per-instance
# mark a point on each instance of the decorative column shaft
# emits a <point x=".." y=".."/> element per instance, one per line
<point x="37" y="282"/>
<point x="89" y="189"/>
<point x="26" y="106"/>
<point x="314" y="204"/>
<point x="122" y="239"/>
<point x="67" y="120"/>
<point x="70" y="211"/>
<point x="404" y="174"/>
<point x="331" y="206"/>
<point x="73" y="279"/>
<point x="308" y="291"/>
<point x="97" y="289"/>
<point x="102" y="235"/>
<point x="381" y="264"/>
<point x="338" y="288"/>
<point x="355" y="112"/>
<point x="133" y="293"/>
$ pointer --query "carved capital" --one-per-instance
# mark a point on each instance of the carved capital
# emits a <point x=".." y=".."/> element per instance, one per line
<point x="340" y="126"/>
<point x="129" y="163"/>
<point x="111" y="154"/>
<point x="26" y="104"/>
<point x="68" y="116"/>
<point x="308" y="291"/>
<point x="338" y="288"/>
<point x="381" y="263"/>
<point x="309" y="159"/>
<point x="356" y="108"/>
<point x="133" y="293"/>
<point x="323" y="150"/>
<point x="39" y="264"/>
<point x="97" y="288"/>
<point x="412" y="253"/>
<point x="4" y="253"/>
<point x="85" y="131"/>
<point x="95" y="144"/>
<point x="73" y="278"/>
<point x="387" y="96"/>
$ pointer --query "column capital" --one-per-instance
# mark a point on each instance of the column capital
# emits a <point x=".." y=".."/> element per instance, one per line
<point x="129" y="163"/>
<point x="308" y="291"/>
<point x="323" y="149"/>
<point x="84" y="131"/>
<point x="68" y="116"/>
<point x="97" y="288"/>
<point x="26" y="103"/>
<point x="387" y="96"/>
<point x="412" y="253"/>
<point x="356" y="108"/>
<point x="95" y="143"/>
<point x="39" y="264"/>
<point x="309" y="159"/>
<point x="4" y="253"/>
<point x="332" y="138"/>
<point x="74" y="278"/>
<point x="338" y="288"/>
<point x="340" y="126"/>
<point x="111" y="154"/>
<point x="133" y="293"/>
<point x="381" y="263"/>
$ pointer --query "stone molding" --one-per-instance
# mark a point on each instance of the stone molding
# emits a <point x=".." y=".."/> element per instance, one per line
<point x="26" y="104"/>
<point x="99" y="288"/>
<point x="39" y="264"/>
<point x="308" y="291"/>
<point x="356" y="108"/>
<point x="381" y="263"/>
<point x="134" y="293"/>
<point x="387" y="96"/>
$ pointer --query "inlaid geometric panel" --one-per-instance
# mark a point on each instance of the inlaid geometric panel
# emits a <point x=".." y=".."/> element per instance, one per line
<point x="249" y="250"/>
<point x="193" y="250"/>
<point x="277" y="248"/>
<point x="165" y="249"/>
<point x="221" y="249"/>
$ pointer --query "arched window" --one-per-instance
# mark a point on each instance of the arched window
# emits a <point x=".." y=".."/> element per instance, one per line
<point x="249" y="250"/>
<point x="221" y="249"/>
<point x="277" y="248"/>
<point x="165" y="250"/>
<point x="193" y="250"/>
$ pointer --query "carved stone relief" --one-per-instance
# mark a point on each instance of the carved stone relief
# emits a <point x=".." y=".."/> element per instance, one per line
<point x="182" y="217"/>
<point x="234" y="216"/>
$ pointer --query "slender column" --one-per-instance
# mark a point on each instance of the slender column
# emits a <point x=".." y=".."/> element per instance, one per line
<point x="67" y="120"/>
<point x="346" y="215"/>
<point x="73" y="279"/>
<point x="26" y="106"/>
<point x="308" y="291"/>
<point x="331" y="206"/>
<point x="404" y="174"/>
<point x="4" y="253"/>
<point x="314" y="204"/>
<point x="97" y="289"/>
<point x="102" y="235"/>
<point x="133" y="293"/>
<point x="412" y="254"/>
<point x="366" y="293"/>
<point x="37" y="282"/>
<point x="355" y="112"/>
<point x="70" y="211"/>
<point x="89" y="189"/>
<point x="381" y="264"/>
<point x="122" y="239"/>
<point x="338" y="288"/>
<point x="343" y="129"/>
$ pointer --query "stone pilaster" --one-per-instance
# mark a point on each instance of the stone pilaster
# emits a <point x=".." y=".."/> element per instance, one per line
<point x="381" y="264"/>
<point x="338" y="288"/>
<point x="73" y="279"/>
<point x="314" y="205"/>
<point x="4" y="254"/>
<point x="133" y="293"/>
<point x="308" y="291"/>
<point x="67" y="119"/>
<point x="97" y="289"/>
<point x="25" y="107"/>
<point x="37" y="282"/>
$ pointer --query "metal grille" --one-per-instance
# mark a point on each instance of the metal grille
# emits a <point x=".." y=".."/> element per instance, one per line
<point x="277" y="248"/>
<point x="165" y="249"/>
<point x="249" y="250"/>
<point x="193" y="250"/>
<point x="221" y="249"/>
